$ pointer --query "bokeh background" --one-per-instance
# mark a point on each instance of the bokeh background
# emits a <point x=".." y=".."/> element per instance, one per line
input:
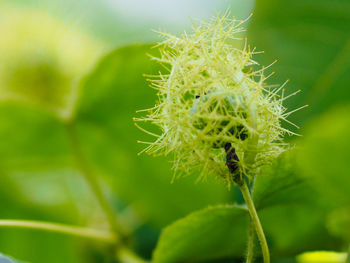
<point x="81" y="64"/>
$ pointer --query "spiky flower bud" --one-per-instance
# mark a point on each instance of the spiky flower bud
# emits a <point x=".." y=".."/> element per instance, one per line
<point x="215" y="112"/>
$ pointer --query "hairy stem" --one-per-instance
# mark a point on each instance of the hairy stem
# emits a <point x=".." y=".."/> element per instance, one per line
<point x="251" y="243"/>
<point x="84" y="232"/>
<point x="251" y="231"/>
<point x="255" y="221"/>
<point x="92" y="180"/>
<point x="249" y="158"/>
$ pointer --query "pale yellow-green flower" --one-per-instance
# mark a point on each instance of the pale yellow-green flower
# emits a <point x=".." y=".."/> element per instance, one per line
<point x="42" y="59"/>
<point x="215" y="111"/>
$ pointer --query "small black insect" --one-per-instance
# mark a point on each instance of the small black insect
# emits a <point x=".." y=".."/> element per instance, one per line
<point x="231" y="158"/>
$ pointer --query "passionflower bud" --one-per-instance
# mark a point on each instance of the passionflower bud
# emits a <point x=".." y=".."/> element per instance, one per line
<point x="215" y="112"/>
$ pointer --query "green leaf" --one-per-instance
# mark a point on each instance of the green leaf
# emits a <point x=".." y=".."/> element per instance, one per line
<point x="31" y="138"/>
<point x="311" y="41"/>
<point x="324" y="158"/>
<point x="283" y="198"/>
<point x="211" y="233"/>
<point x="7" y="259"/>
<point x="38" y="182"/>
<point x="324" y="161"/>
<point x="110" y="97"/>
<point x="279" y="183"/>
<point x="338" y="223"/>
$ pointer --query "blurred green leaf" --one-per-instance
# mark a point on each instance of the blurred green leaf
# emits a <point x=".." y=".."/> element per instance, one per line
<point x="324" y="158"/>
<point x="279" y="183"/>
<point x="110" y="97"/>
<point x="338" y="223"/>
<point x="311" y="41"/>
<point x="324" y="161"/>
<point x="210" y="233"/>
<point x="283" y="198"/>
<point x="31" y="138"/>
<point x="38" y="182"/>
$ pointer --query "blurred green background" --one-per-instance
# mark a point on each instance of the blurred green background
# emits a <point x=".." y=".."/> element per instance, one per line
<point x="82" y="62"/>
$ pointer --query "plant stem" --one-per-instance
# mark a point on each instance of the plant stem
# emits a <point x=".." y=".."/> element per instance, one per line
<point x="92" y="180"/>
<point x="251" y="230"/>
<point x="84" y="232"/>
<point x="125" y="255"/>
<point x="251" y="242"/>
<point x="121" y="251"/>
<point x="255" y="221"/>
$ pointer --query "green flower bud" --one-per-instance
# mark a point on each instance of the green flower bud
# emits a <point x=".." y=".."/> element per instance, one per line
<point x="216" y="114"/>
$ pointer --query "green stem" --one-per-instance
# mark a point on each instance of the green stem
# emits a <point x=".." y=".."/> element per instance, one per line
<point x="124" y="255"/>
<point x="255" y="221"/>
<point x="348" y="256"/>
<point x="84" y="232"/>
<point x="251" y="243"/>
<point x="251" y="231"/>
<point x="92" y="180"/>
<point x="122" y="252"/>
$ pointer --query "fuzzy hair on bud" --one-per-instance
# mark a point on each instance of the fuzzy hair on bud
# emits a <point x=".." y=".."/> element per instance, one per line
<point x="213" y="105"/>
